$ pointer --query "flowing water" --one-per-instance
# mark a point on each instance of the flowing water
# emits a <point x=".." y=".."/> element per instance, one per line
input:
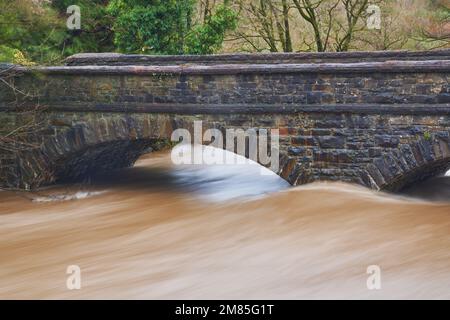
<point x="162" y="231"/>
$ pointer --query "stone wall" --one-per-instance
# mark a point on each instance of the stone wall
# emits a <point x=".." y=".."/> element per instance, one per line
<point x="305" y="84"/>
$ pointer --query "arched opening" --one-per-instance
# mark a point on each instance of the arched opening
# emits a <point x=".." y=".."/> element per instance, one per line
<point x="237" y="177"/>
<point x="102" y="158"/>
<point x="411" y="165"/>
<point x="151" y="164"/>
<point x="432" y="184"/>
<point x="222" y="175"/>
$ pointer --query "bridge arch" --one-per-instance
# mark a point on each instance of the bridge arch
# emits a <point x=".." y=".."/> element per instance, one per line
<point x="412" y="162"/>
<point x="84" y="144"/>
<point x="76" y="145"/>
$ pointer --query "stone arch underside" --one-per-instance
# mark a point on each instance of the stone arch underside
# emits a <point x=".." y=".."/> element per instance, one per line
<point x="76" y="145"/>
<point x="412" y="162"/>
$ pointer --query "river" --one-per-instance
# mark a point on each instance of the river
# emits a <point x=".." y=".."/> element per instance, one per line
<point x="158" y="231"/>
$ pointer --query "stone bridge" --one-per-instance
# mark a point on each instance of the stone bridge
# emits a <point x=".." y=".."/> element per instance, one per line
<point x="379" y="119"/>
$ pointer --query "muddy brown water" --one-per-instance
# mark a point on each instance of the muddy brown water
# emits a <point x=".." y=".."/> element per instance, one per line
<point x="157" y="231"/>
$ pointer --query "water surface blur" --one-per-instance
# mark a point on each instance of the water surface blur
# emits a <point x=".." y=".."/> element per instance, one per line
<point x="163" y="231"/>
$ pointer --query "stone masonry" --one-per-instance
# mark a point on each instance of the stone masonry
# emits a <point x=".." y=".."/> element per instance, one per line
<point x="383" y="122"/>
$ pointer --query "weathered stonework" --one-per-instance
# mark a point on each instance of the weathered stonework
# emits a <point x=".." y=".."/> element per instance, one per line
<point x="116" y="59"/>
<point x="382" y="124"/>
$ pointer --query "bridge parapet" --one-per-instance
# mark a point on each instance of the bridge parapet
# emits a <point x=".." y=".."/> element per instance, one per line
<point x="250" y="87"/>
<point x="260" y="58"/>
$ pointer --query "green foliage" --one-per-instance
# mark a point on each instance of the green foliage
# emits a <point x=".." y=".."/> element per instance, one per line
<point x="39" y="31"/>
<point x="208" y="37"/>
<point x="13" y="55"/>
<point x="165" y="27"/>
<point x="96" y="27"/>
<point x="28" y="28"/>
<point x="155" y="26"/>
<point x="6" y="54"/>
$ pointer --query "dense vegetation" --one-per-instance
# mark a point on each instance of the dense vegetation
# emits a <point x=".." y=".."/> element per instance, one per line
<point x="35" y="31"/>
